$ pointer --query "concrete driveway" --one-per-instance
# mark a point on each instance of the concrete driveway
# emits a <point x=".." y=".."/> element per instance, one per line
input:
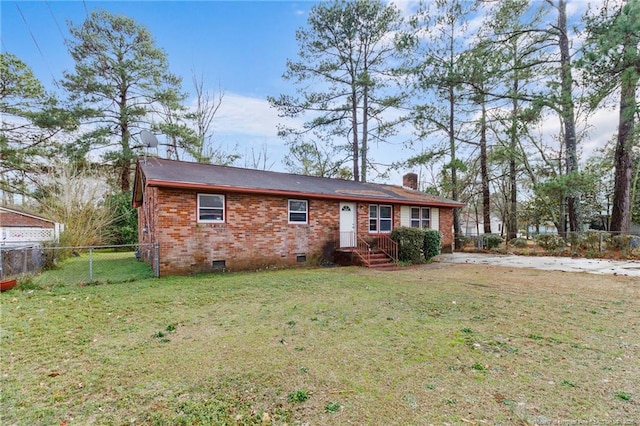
<point x="629" y="268"/>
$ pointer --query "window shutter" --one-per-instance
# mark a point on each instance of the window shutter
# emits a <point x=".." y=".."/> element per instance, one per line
<point x="435" y="218"/>
<point x="405" y="216"/>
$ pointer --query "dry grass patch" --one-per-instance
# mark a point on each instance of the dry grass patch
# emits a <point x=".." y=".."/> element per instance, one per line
<point x="430" y="344"/>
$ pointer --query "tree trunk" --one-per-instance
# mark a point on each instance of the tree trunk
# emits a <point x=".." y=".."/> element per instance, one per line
<point x="561" y="223"/>
<point x="354" y="132"/>
<point x="621" y="214"/>
<point x="125" y="161"/>
<point x="457" y="228"/>
<point x="365" y="129"/>
<point x="512" y="230"/>
<point x="454" y="172"/>
<point x="484" y="173"/>
<point x="568" y="117"/>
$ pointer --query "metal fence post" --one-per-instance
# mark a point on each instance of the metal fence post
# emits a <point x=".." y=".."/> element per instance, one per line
<point x="600" y="244"/>
<point x="90" y="264"/>
<point x="156" y="260"/>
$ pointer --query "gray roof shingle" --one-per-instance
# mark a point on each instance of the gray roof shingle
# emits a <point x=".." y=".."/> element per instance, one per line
<point x="180" y="174"/>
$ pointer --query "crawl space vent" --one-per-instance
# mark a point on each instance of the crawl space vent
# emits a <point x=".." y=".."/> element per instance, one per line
<point x="219" y="264"/>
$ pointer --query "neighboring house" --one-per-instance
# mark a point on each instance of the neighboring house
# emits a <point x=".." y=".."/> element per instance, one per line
<point x="18" y="227"/>
<point x="206" y="217"/>
<point x="547" y="227"/>
<point x="472" y="224"/>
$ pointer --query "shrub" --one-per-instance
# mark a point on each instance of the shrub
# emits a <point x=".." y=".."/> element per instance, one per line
<point x="550" y="242"/>
<point x="491" y="241"/>
<point x="575" y="239"/>
<point x="75" y="197"/>
<point x="593" y="240"/>
<point x="410" y="242"/>
<point x="464" y="240"/>
<point x="124" y="228"/>
<point x="625" y="242"/>
<point x="518" y="242"/>
<point x="431" y="243"/>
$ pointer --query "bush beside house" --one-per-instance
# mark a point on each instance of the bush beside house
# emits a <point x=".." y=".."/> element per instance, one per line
<point x="416" y="243"/>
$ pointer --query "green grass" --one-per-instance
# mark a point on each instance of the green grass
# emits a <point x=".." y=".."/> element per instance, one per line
<point x="434" y="344"/>
<point x="108" y="266"/>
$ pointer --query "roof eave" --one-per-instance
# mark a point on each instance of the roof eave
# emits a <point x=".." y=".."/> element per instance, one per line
<point x="344" y="197"/>
<point x="33" y="216"/>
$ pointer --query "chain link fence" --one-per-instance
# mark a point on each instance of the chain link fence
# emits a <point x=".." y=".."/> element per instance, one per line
<point x="43" y="266"/>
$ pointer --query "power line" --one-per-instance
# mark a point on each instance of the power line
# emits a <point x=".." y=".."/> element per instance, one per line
<point x="29" y="29"/>
<point x="55" y="20"/>
<point x="55" y="82"/>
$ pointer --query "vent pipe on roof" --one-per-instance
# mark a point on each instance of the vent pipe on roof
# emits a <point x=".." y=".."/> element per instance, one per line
<point x="410" y="180"/>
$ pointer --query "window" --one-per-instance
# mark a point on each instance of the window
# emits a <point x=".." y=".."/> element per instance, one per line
<point x="298" y="211"/>
<point x="420" y="217"/>
<point x="380" y="218"/>
<point x="210" y="208"/>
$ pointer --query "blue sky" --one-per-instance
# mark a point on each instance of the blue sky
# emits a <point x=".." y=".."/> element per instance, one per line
<point x="238" y="46"/>
<point x="241" y="44"/>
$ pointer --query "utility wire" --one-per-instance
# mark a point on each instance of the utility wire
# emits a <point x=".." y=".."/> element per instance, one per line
<point x="64" y="40"/>
<point x="29" y="29"/>
<point x="55" y="82"/>
<point x="55" y="20"/>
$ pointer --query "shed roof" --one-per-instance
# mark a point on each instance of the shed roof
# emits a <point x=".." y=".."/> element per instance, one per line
<point x="208" y="177"/>
<point x="10" y="217"/>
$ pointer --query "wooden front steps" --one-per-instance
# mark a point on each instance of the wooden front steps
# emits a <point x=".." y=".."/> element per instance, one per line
<point x="376" y="259"/>
<point x="378" y="252"/>
<point x="379" y="260"/>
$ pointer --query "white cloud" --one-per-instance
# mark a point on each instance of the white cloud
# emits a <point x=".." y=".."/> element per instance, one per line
<point x="406" y="7"/>
<point x="249" y="126"/>
<point x="603" y="126"/>
<point x="248" y="116"/>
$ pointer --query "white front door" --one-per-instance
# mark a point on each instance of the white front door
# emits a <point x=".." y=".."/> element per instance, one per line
<point x="347" y="225"/>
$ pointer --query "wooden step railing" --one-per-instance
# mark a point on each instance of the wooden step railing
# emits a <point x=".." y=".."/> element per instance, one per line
<point x="388" y="247"/>
<point x="364" y="248"/>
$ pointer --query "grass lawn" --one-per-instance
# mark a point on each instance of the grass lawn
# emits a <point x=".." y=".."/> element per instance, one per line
<point x="101" y="266"/>
<point x="462" y="344"/>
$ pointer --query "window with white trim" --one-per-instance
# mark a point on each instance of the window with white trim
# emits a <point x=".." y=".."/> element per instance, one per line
<point x="420" y="217"/>
<point x="298" y="211"/>
<point x="380" y="218"/>
<point x="210" y="208"/>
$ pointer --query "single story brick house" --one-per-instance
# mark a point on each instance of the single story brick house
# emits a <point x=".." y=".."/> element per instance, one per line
<point x="206" y="217"/>
<point x="19" y="227"/>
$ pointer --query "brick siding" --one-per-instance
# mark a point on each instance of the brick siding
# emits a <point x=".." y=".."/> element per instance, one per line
<point x="255" y="234"/>
<point x="446" y="229"/>
<point x="11" y="219"/>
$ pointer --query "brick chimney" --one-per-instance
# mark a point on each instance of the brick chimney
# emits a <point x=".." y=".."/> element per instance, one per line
<point x="410" y="180"/>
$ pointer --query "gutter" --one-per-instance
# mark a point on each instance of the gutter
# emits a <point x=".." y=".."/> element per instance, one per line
<point x="226" y="188"/>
